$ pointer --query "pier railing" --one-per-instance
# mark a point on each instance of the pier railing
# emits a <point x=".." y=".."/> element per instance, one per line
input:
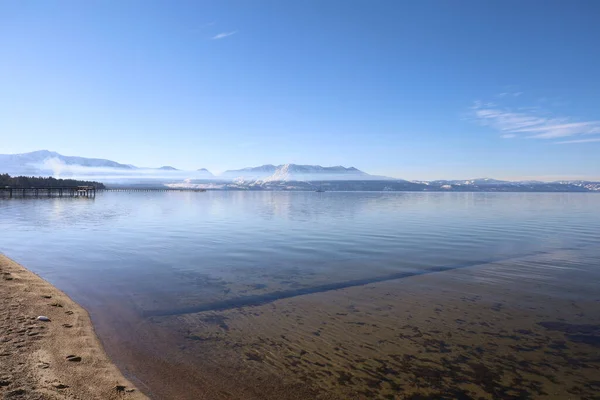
<point x="78" y="191"/>
<point x="61" y="191"/>
<point x="151" y="190"/>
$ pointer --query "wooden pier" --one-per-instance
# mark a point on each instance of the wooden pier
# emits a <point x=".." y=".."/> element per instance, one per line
<point x="69" y="191"/>
<point x="151" y="190"/>
<point x="78" y="191"/>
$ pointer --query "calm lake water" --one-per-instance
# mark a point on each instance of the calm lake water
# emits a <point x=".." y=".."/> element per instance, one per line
<point x="253" y="237"/>
<point x="161" y="253"/>
<point x="188" y="248"/>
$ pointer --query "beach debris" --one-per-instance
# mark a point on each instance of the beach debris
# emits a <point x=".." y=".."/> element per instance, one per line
<point x="43" y="318"/>
<point x="59" y="385"/>
<point x="15" y="393"/>
<point x="73" y="358"/>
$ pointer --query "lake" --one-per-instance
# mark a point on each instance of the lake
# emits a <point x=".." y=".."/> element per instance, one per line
<point x="229" y="294"/>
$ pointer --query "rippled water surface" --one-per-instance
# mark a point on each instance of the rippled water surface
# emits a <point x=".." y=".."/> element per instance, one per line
<point x="190" y="248"/>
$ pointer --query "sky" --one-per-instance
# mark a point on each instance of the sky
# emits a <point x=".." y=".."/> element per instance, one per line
<point x="410" y="89"/>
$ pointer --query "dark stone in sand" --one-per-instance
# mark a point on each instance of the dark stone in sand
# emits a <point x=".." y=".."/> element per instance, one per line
<point x="73" y="358"/>
<point x="254" y="357"/>
<point x="59" y="385"/>
<point x="344" y="377"/>
<point x="15" y="393"/>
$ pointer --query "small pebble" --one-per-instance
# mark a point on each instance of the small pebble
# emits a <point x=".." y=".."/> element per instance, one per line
<point x="59" y="385"/>
<point x="43" y="318"/>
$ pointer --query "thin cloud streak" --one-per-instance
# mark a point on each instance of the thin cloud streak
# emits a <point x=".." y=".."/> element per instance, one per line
<point x="579" y="141"/>
<point x="223" y="35"/>
<point x="513" y="94"/>
<point x="561" y="130"/>
<point x="529" y="124"/>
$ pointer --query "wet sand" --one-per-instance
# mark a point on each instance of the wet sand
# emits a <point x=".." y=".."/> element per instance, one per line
<point x="527" y="328"/>
<point x="57" y="359"/>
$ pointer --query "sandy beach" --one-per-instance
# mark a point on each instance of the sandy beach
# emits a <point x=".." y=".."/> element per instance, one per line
<point x="56" y="359"/>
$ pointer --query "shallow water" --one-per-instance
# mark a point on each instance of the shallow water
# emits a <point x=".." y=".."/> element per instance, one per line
<point x="169" y="253"/>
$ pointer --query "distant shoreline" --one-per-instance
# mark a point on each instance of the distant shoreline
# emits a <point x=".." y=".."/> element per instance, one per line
<point x="57" y="359"/>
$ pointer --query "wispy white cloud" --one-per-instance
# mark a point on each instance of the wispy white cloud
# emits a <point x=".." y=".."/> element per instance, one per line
<point x="509" y="94"/>
<point x="579" y="141"/>
<point x="532" y="123"/>
<point x="552" y="131"/>
<point x="223" y="35"/>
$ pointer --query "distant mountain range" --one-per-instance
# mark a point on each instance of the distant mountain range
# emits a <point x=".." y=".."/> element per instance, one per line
<point x="264" y="177"/>
<point x="44" y="162"/>
<point x="36" y="159"/>
<point x="295" y="172"/>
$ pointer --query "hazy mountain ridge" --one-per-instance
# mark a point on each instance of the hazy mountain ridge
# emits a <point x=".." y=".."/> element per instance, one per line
<point x="41" y="157"/>
<point x="292" y="172"/>
<point x="45" y="162"/>
<point x="264" y="177"/>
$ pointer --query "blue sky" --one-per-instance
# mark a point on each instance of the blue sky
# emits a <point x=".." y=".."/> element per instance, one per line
<point x="411" y="89"/>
